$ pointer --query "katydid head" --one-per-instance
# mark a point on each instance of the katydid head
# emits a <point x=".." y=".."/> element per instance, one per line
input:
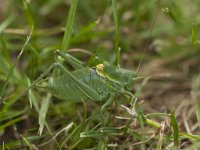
<point x="123" y="77"/>
<point x="45" y="83"/>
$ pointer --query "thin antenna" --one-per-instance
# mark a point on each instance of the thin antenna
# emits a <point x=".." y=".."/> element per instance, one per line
<point x="148" y="41"/>
<point x="105" y="12"/>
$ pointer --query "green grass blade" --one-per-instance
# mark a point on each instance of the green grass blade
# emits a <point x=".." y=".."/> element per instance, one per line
<point x="3" y="26"/>
<point x="197" y="104"/>
<point x="69" y="25"/>
<point x="71" y="135"/>
<point x="8" y="114"/>
<point x="195" y="96"/>
<point x="5" y="50"/>
<point x="3" y="148"/>
<point x="14" y="65"/>
<point x="30" y="95"/>
<point x="175" y="128"/>
<point x="117" y="52"/>
<point x="27" y="142"/>
<point x="141" y="122"/>
<point x="49" y="6"/>
<point x="6" y="23"/>
<point x="105" y="131"/>
<point x="43" y="111"/>
<point x="11" y="122"/>
<point x="133" y="133"/>
<point x="88" y="9"/>
<point x="17" y="143"/>
<point x="194" y="37"/>
<point x="86" y="33"/>
<point x="192" y="137"/>
<point x="28" y="13"/>
<point x="161" y="138"/>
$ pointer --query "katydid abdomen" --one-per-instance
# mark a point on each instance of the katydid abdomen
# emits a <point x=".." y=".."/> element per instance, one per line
<point x="63" y="87"/>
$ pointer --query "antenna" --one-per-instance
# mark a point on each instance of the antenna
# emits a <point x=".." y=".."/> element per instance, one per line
<point x="148" y="41"/>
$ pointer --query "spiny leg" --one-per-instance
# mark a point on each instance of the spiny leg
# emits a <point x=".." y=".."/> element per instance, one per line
<point x="133" y="98"/>
<point x="136" y="107"/>
<point x="125" y="93"/>
<point x="74" y="62"/>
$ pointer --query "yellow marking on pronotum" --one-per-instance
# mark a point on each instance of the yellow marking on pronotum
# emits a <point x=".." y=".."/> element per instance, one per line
<point x="100" y="71"/>
<point x="100" y="66"/>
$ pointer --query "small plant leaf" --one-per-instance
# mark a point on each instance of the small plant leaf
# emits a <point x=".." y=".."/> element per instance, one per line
<point x="28" y="13"/>
<point x="43" y="111"/>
